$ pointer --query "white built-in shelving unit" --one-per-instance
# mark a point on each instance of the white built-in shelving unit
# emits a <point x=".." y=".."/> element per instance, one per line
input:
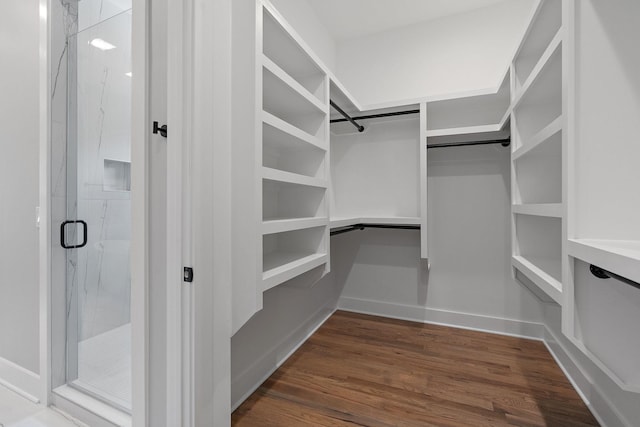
<point x="294" y="146"/>
<point x="281" y="208"/>
<point x="537" y="134"/>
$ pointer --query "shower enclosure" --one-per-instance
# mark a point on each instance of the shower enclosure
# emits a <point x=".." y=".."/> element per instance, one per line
<point x="91" y="206"/>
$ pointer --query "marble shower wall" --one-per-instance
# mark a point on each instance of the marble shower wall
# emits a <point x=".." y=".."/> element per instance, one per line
<point x="103" y="129"/>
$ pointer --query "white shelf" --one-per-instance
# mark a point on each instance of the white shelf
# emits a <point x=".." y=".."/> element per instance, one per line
<point x="287" y="135"/>
<point x="279" y="98"/>
<point x="548" y="133"/>
<point x="618" y="256"/>
<point x="470" y="111"/>
<point x="549" y="57"/>
<point x="283" y="46"/>
<point x="542" y="272"/>
<point x="398" y="220"/>
<point x="292" y="178"/>
<point x="283" y="225"/>
<point x="282" y="266"/>
<point x="538" y="175"/>
<point x="545" y="24"/>
<point x="553" y="210"/>
<point x="466" y="130"/>
<point x="292" y="84"/>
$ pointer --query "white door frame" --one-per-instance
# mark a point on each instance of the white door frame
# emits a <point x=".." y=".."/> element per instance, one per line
<point x="140" y="137"/>
<point x="179" y="293"/>
<point x="198" y="214"/>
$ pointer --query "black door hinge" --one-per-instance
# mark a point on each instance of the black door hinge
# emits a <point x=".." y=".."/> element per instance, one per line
<point x="188" y="274"/>
<point x="160" y="129"/>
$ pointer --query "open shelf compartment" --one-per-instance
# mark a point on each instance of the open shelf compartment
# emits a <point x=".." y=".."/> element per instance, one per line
<point x="281" y="48"/>
<point x="540" y="103"/>
<point x="538" y="175"/>
<point x="538" y="252"/>
<point x="284" y="200"/>
<point x="289" y="254"/>
<point x="454" y="116"/>
<point x="286" y="152"/>
<point x="286" y="103"/>
<point x="546" y="24"/>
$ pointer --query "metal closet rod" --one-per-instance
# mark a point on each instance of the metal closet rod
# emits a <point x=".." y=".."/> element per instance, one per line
<point x="601" y="273"/>
<point x="346" y="116"/>
<point x="377" y="116"/>
<point x="504" y="142"/>
<point x="354" y="227"/>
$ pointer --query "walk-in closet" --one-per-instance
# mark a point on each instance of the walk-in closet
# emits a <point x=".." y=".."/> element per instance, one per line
<point x="313" y="213"/>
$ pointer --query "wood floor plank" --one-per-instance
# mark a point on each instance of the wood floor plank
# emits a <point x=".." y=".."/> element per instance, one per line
<point x="360" y="370"/>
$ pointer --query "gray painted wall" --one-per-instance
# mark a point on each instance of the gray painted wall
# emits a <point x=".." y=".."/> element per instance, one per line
<point x="19" y="145"/>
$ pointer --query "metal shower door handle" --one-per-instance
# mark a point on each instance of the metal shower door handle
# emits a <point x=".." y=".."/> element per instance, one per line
<point x="63" y="239"/>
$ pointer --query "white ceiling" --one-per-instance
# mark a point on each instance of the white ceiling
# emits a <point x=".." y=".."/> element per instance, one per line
<point x="346" y="19"/>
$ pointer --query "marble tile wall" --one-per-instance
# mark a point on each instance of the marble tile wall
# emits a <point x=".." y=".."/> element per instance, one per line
<point x="102" y="132"/>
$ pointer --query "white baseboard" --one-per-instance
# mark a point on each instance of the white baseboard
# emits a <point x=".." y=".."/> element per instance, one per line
<point x="271" y="360"/>
<point x="593" y="397"/>
<point x="20" y="380"/>
<point x="494" y="325"/>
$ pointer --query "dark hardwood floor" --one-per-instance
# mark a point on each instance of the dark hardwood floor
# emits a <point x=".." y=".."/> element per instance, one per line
<point x="359" y="370"/>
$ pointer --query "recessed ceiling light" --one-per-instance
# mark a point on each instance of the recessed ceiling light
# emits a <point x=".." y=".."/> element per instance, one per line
<point x="101" y="44"/>
<point x="129" y="74"/>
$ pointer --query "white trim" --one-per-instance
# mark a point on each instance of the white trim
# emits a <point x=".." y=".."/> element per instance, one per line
<point x="20" y="380"/>
<point x="44" y="237"/>
<point x="140" y="40"/>
<point x="415" y="313"/>
<point x="179" y="108"/>
<point x="288" y="345"/>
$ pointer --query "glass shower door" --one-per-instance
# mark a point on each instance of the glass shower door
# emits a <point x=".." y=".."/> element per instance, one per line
<point x="98" y="229"/>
